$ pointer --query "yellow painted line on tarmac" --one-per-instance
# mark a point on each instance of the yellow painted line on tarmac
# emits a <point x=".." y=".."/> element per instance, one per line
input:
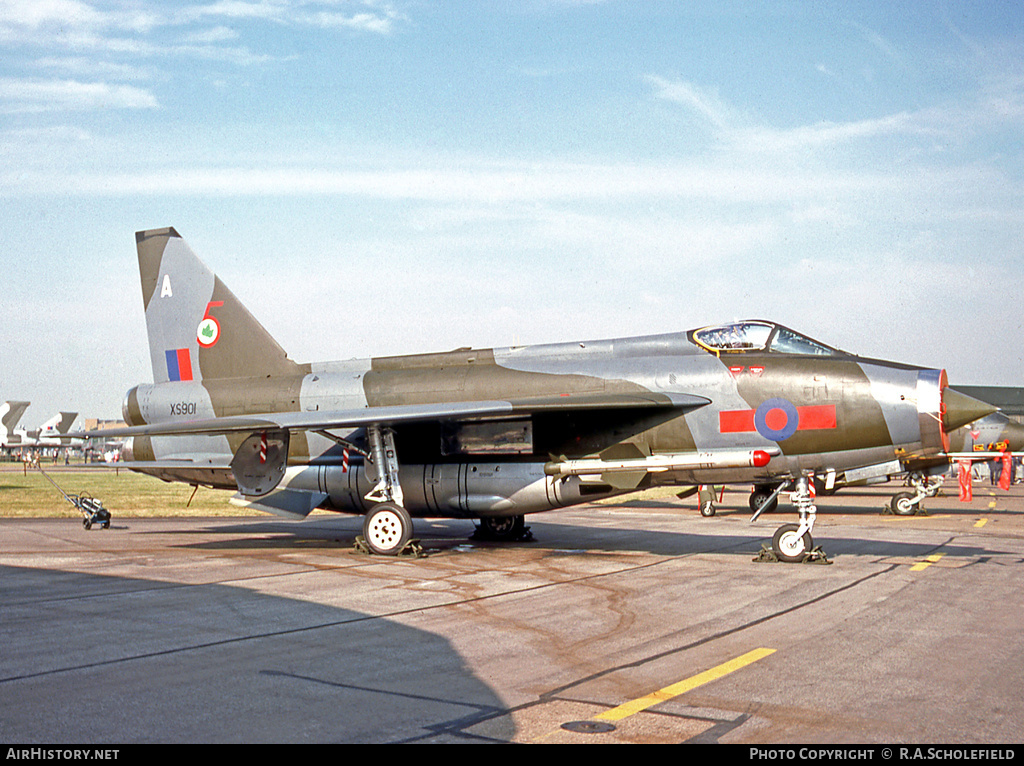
<point x="635" y="706"/>
<point x="980" y="523"/>
<point x="927" y="562"/>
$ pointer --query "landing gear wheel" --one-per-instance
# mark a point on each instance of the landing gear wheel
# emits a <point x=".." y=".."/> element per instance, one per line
<point x="502" y="527"/>
<point x="707" y="509"/>
<point x="789" y="546"/>
<point x="387" y="529"/>
<point x="759" y="497"/>
<point x="903" y="504"/>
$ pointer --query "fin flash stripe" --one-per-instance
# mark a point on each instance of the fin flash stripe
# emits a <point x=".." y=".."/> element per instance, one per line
<point x="179" y="364"/>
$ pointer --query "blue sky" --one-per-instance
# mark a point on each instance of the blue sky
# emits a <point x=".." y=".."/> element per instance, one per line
<point x="394" y="177"/>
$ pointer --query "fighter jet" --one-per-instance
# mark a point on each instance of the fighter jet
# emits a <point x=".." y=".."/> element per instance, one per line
<point x="495" y="434"/>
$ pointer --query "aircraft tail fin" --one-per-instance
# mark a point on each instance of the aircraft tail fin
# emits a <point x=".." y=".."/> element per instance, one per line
<point x="198" y="329"/>
<point x="61" y="423"/>
<point x="10" y="416"/>
<point x="66" y="421"/>
<point x="58" y="424"/>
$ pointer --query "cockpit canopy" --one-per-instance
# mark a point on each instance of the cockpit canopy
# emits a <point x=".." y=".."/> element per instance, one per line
<point x="757" y="335"/>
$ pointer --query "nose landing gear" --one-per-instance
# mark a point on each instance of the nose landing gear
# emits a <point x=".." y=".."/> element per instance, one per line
<point x="792" y="543"/>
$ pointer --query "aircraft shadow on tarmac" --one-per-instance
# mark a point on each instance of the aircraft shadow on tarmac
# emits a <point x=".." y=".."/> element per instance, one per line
<point x="440" y="536"/>
<point x="93" y="658"/>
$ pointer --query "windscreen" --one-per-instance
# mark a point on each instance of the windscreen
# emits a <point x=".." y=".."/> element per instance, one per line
<point x="788" y="342"/>
<point x="739" y="337"/>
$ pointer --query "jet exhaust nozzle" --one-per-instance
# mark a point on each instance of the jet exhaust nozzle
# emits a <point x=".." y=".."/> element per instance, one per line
<point x="131" y="413"/>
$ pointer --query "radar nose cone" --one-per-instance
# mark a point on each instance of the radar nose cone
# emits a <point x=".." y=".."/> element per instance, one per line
<point x="960" y="409"/>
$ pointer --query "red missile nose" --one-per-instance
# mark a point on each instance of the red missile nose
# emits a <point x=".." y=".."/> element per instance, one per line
<point x="761" y="458"/>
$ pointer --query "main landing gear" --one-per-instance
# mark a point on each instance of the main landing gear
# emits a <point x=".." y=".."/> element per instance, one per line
<point x="706" y="500"/>
<point x="765" y="497"/>
<point x="502" y="528"/>
<point x="387" y="527"/>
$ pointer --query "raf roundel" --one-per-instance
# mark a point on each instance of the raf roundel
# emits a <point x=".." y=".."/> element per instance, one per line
<point x="208" y="332"/>
<point x="776" y="419"/>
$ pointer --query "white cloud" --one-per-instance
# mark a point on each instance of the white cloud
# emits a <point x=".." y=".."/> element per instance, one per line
<point x="58" y="17"/>
<point x="369" y="22"/>
<point x="827" y="133"/>
<point x="33" y="14"/>
<point x="33" y="95"/>
<point x="92" y="49"/>
<point x="998" y="104"/>
<point x="76" y="25"/>
<point x="880" y="43"/>
<point x="484" y="183"/>
<point x="352" y="14"/>
<point x="705" y="102"/>
<point x="218" y="34"/>
<point x="84" y="66"/>
<point x="739" y="133"/>
<point x="236" y="9"/>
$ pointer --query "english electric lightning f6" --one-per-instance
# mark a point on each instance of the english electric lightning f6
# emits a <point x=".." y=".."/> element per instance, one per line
<point x="494" y="434"/>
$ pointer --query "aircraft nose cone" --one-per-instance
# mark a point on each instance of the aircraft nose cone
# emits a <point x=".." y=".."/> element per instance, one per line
<point x="960" y="409"/>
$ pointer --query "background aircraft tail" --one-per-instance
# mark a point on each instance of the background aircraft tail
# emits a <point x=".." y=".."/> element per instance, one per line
<point x="10" y="415"/>
<point x="66" y="419"/>
<point x="198" y="330"/>
<point x="49" y="427"/>
<point x="58" y="424"/>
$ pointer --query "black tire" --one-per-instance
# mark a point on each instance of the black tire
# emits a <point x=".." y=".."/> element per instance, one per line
<point x="759" y="497"/>
<point x="902" y="505"/>
<point x="707" y="509"/>
<point x="502" y="528"/>
<point x="387" y="529"/>
<point x="790" y="547"/>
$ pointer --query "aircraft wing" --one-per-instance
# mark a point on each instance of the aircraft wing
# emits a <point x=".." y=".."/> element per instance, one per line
<point x="410" y="413"/>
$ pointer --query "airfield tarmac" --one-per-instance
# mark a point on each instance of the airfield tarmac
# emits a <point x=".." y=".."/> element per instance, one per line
<point x="631" y="622"/>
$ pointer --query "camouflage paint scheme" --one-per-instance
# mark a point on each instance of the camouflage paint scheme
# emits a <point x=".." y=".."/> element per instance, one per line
<point x="504" y="432"/>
